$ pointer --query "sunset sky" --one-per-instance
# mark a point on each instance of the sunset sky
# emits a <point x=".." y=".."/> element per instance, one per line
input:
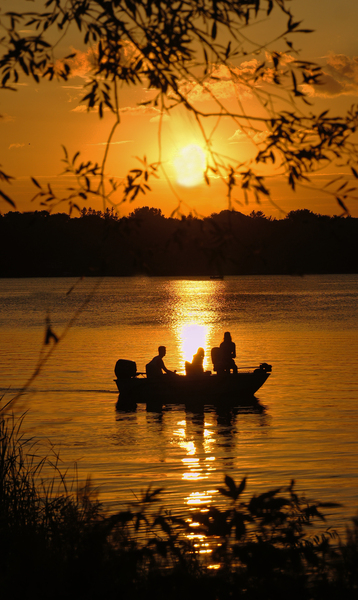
<point x="38" y="119"/>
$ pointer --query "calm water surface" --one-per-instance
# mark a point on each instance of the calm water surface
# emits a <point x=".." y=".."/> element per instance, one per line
<point x="307" y="328"/>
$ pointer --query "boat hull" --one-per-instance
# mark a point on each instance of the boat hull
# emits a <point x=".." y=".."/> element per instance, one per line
<point x="202" y="389"/>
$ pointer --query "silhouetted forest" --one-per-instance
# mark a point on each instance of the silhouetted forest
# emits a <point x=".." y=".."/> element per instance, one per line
<point x="39" y="244"/>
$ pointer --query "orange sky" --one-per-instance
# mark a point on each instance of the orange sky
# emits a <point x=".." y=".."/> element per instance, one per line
<point x="39" y="118"/>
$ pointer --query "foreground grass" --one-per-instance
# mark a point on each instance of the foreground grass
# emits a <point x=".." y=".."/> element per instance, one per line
<point x="59" y="543"/>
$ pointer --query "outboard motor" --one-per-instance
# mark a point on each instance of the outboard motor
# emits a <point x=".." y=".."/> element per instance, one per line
<point x="125" y="369"/>
<point x="264" y="368"/>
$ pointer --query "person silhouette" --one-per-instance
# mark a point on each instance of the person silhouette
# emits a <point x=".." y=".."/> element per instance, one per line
<point x="156" y="366"/>
<point x="227" y="354"/>
<point x="196" y="366"/>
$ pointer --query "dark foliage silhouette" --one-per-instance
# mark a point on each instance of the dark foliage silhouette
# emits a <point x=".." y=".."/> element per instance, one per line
<point x="57" y="541"/>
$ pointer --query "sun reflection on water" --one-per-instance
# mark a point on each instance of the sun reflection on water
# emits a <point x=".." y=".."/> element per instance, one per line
<point x="194" y="326"/>
<point x="193" y="336"/>
<point x="198" y="465"/>
<point x="194" y="305"/>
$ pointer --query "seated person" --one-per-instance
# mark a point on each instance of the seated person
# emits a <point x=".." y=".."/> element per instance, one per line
<point x="156" y="366"/>
<point x="227" y="354"/>
<point x="196" y="366"/>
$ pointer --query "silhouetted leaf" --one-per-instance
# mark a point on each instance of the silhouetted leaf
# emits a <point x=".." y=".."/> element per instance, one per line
<point x="50" y="335"/>
<point x="7" y="199"/>
<point x="230" y="484"/>
<point x="341" y="204"/>
<point x="214" y="31"/>
<point x="36" y="182"/>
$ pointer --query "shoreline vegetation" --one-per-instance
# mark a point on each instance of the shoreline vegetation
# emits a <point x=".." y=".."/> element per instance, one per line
<point x="96" y="243"/>
<point x="57" y="541"/>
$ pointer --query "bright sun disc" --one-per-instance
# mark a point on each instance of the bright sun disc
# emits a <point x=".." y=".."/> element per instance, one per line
<point x="190" y="164"/>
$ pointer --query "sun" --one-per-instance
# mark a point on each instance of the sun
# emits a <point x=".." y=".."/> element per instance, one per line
<point x="190" y="165"/>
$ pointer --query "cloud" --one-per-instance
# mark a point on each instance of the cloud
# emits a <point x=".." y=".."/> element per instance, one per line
<point x="339" y="78"/>
<point x="223" y="83"/>
<point x="141" y="109"/>
<point x="132" y="111"/>
<point x="344" y="66"/>
<point x="241" y="136"/>
<point x="16" y="146"/>
<point x="157" y="118"/>
<point x="112" y="143"/>
<point x="83" y="63"/>
<point x="6" y="118"/>
<point x="235" y="82"/>
<point x="83" y="108"/>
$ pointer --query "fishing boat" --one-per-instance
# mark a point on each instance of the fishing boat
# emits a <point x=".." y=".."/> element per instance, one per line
<point x="199" y="389"/>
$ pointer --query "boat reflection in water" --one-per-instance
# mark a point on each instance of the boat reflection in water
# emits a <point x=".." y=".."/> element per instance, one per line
<point x="200" y="435"/>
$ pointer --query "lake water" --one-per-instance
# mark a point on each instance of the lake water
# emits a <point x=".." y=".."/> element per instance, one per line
<point x="306" y="328"/>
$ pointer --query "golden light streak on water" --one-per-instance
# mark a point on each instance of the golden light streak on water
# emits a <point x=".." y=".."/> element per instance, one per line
<point x="190" y="446"/>
<point x="193" y="323"/>
<point x="208" y="441"/>
<point x="179" y="433"/>
<point x="193" y="476"/>
<point x="198" y="498"/>
<point x="195" y="536"/>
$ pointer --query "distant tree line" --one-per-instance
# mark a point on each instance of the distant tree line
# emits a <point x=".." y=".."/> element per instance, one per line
<point x="40" y="244"/>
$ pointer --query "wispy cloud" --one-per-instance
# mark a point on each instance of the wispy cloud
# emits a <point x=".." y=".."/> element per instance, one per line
<point x="339" y="78"/>
<point x="240" y="137"/>
<point x="82" y="108"/>
<point x="223" y="83"/>
<point x="161" y="117"/>
<point x="83" y="63"/>
<point x="140" y="109"/>
<point x="16" y="146"/>
<point x="235" y="82"/>
<point x="133" y="111"/>
<point x="5" y="118"/>
<point x="112" y="143"/>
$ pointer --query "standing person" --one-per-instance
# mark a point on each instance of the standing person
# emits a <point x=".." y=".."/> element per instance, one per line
<point x="227" y="354"/>
<point x="156" y="366"/>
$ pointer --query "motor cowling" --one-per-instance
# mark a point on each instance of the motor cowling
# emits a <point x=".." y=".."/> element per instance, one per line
<point x="125" y="369"/>
<point x="265" y="367"/>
